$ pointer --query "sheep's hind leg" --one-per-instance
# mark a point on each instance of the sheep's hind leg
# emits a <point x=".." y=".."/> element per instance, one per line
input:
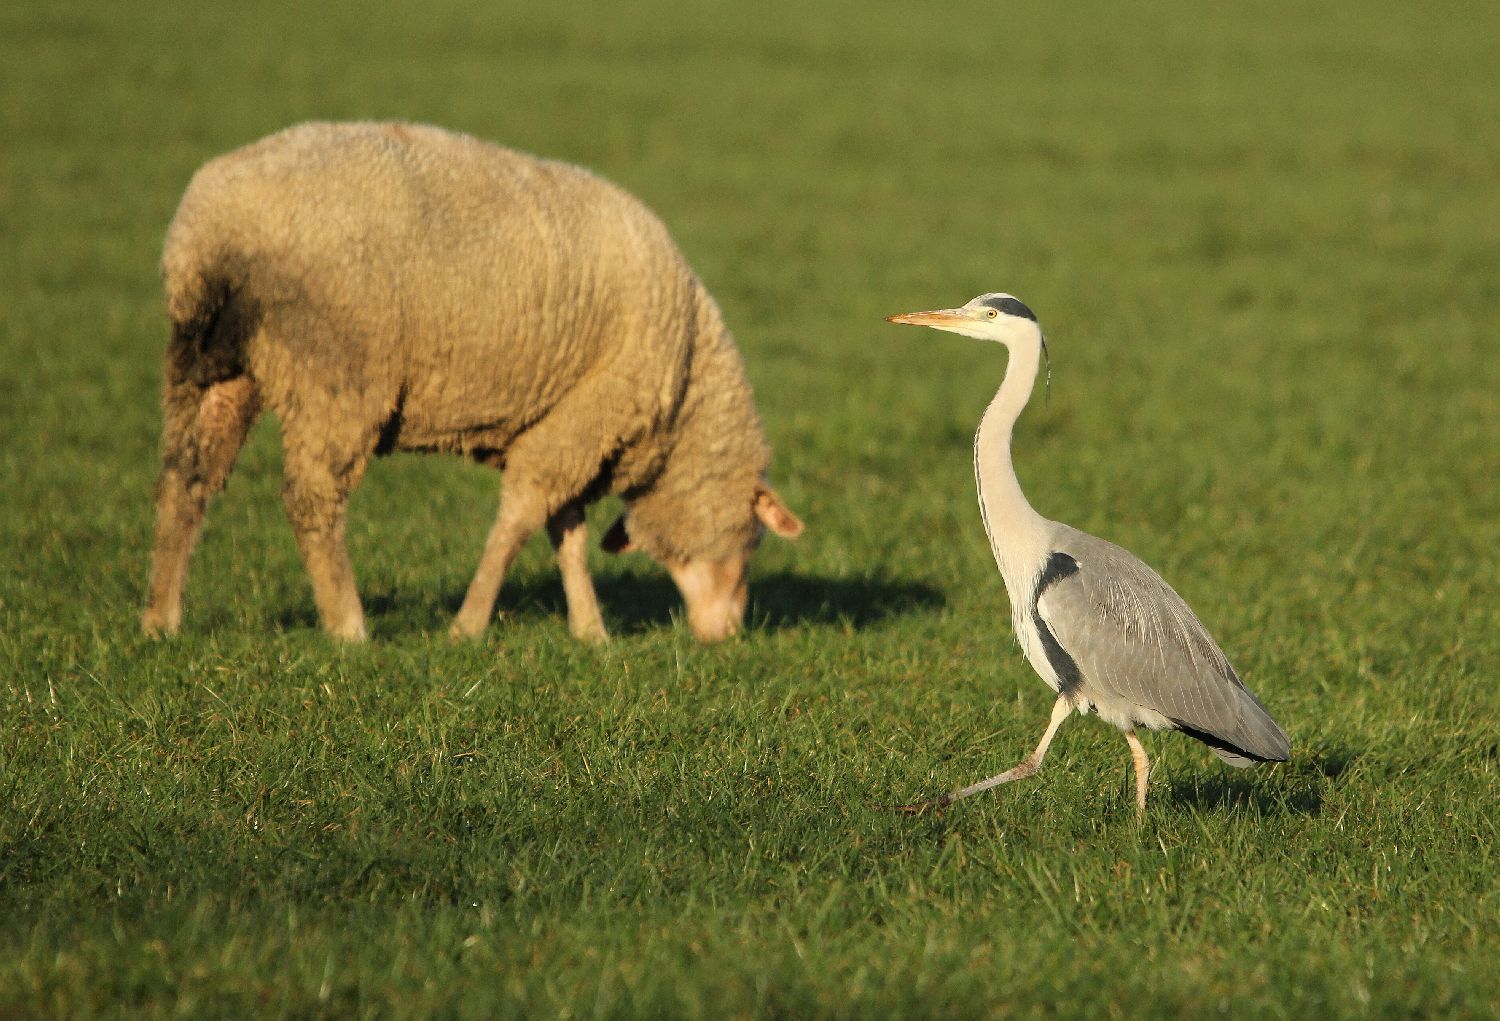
<point x="316" y="500"/>
<point x="205" y="427"/>
<point x="570" y="538"/>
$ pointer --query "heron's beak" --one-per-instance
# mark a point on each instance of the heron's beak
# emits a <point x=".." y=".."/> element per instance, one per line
<point x="940" y="319"/>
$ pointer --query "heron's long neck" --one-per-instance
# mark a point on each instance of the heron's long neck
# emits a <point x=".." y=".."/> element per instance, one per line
<point x="1012" y="525"/>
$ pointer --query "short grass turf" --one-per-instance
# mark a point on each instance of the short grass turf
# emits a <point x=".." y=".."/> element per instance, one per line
<point x="1265" y="243"/>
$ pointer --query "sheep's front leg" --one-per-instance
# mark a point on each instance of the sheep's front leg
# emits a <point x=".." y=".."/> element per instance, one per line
<point x="522" y="511"/>
<point x="570" y="538"/>
<point x="547" y="471"/>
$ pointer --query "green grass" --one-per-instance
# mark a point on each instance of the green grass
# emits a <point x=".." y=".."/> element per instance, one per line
<point x="1265" y="243"/>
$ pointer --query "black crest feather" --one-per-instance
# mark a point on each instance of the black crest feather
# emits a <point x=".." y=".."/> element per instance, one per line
<point x="1011" y="307"/>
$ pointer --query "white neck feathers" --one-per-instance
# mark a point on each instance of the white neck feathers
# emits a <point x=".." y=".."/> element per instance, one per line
<point x="1014" y="529"/>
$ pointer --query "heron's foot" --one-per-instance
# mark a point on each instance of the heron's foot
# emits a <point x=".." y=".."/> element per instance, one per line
<point x="919" y="807"/>
<point x="1020" y="771"/>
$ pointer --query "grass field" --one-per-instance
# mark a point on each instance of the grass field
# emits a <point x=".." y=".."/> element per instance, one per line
<point x="1264" y="241"/>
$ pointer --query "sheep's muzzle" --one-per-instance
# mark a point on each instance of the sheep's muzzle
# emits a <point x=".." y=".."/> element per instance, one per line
<point x="715" y="592"/>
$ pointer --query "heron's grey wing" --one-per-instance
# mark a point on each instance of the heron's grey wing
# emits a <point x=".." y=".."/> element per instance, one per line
<point x="1134" y="638"/>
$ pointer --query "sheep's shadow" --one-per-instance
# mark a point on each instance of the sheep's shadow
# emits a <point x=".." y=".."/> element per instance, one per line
<point x="787" y="600"/>
<point x="636" y="603"/>
<point x="1297" y="790"/>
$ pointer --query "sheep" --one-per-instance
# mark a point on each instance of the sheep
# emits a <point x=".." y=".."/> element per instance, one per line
<point x="394" y="286"/>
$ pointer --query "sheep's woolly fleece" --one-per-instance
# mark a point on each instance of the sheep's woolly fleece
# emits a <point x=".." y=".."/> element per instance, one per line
<point x="385" y="286"/>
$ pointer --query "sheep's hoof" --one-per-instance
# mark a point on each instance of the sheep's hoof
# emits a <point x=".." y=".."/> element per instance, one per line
<point x="156" y="624"/>
<point x="592" y="633"/>
<point x="349" y="632"/>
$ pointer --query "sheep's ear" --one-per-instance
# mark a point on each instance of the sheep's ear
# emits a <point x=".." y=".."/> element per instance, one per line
<point x="617" y="540"/>
<point x="774" y="514"/>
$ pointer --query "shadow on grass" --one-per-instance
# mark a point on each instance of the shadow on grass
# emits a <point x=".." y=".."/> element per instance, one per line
<point x="1296" y="788"/>
<point x="786" y="600"/>
<point x="636" y="603"/>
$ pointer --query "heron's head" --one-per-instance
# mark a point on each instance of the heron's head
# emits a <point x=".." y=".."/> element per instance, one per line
<point x="998" y="317"/>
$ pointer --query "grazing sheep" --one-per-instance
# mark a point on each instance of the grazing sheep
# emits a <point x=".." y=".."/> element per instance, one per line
<point x="400" y="287"/>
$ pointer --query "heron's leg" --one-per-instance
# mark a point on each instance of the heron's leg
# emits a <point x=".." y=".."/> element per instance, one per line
<point x="1142" y="770"/>
<point x="1020" y="771"/>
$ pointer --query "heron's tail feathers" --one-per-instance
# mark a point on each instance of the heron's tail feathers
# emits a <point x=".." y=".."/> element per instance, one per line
<point x="1255" y="737"/>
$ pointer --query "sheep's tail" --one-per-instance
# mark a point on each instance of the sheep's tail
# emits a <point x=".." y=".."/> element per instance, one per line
<point x="208" y="320"/>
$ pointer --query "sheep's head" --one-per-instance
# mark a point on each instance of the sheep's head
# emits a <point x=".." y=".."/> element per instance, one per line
<point x="714" y="584"/>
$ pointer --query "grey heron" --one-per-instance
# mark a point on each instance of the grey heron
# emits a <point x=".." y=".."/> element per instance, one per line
<point x="1100" y="627"/>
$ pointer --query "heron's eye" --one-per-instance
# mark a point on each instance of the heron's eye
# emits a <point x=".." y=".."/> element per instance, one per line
<point x="993" y="313"/>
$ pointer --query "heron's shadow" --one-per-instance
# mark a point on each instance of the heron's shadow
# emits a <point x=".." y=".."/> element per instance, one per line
<point x="636" y="603"/>
<point x="1297" y="790"/>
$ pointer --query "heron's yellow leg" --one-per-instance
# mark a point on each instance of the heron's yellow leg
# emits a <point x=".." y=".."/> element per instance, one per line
<point x="1142" y="769"/>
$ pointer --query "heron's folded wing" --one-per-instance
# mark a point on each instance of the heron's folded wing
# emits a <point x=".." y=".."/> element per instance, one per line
<point x="1134" y="638"/>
